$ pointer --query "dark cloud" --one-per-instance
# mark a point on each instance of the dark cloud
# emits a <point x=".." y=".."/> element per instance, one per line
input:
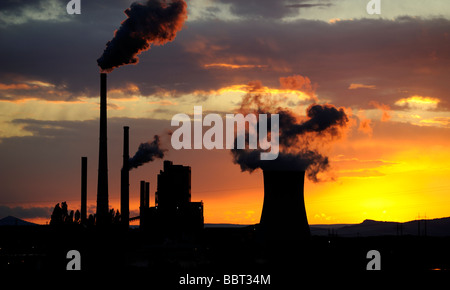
<point x="298" y="140"/>
<point x="263" y="9"/>
<point x="152" y="23"/>
<point x="147" y="152"/>
<point x="400" y="58"/>
<point x="306" y="5"/>
<point x="25" y="212"/>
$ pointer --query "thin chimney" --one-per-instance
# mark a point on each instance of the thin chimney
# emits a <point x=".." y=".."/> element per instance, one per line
<point x="147" y="194"/>
<point x="125" y="180"/>
<point x="83" y="190"/>
<point x="102" y="185"/>
<point x="142" y="206"/>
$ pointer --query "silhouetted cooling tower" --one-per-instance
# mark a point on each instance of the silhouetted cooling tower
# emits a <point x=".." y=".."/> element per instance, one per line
<point x="102" y="185"/>
<point x="125" y="180"/>
<point x="283" y="216"/>
<point x="83" y="190"/>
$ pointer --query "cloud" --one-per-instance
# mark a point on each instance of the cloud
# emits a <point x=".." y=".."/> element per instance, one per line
<point x="360" y="173"/>
<point x="437" y="121"/>
<point x="20" y="12"/>
<point x="25" y="212"/>
<point x="418" y="102"/>
<point x="385" y="109"/>
<point x="233" y="66"/>
<point x="365" y="126"/>
<point x="299" y="83"/>
<point x="368" y="52"/>
<point x="306" y="5"/>
<point x="359" y="164"/>
<point x="360" y="86"/>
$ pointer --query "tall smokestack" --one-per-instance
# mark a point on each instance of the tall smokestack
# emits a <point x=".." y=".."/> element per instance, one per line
<point x="83" y="190"/>
<point x="125" y="180"/>
<point x="102" y="185"/>
<point x="283" y="216"/>
<point x="147" y="195"/>
<point x="142" y="205"/>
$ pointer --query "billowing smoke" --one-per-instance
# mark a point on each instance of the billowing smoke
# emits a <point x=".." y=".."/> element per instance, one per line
<point x="147" y="152"/>
<point x="155" y="22"/>
<point x="299" y="140"/>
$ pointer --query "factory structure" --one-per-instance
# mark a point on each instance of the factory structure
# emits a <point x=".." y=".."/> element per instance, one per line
<point x="174" y="215"/>
<point x="283" y="215"/>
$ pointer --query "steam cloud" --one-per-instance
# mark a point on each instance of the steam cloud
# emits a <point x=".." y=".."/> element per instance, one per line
<point x="147" y="152"/>
<point x="297" y="139"/>
<point x="155" y="22"/>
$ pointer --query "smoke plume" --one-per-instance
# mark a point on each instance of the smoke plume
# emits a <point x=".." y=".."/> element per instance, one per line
<point x="155" y="22"/>
<point x="147" y="152"/>
<point x="299" y="140"/>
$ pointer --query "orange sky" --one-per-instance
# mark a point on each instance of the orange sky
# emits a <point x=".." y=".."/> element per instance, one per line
<point x="389" y="72"/>
<point x="396" y="173"/>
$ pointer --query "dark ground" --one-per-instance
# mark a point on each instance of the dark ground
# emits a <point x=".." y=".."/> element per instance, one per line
<point x="217" y="252"/>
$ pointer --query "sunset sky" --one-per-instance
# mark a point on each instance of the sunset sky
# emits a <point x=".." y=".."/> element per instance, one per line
<point x="390" y="73"/>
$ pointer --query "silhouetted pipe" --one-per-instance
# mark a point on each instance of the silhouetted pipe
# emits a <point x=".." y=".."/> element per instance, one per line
<point x="283" y="216"/>
<point x="147" y="195"/>
<point x="102" y="185"/>
<point x="125" y="180"/>
<point x="83" y="190"/>
<point x="142" y="205"/>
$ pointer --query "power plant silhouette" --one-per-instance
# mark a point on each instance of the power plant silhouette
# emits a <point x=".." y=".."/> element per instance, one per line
<point x="283" y="216"/>
<point x="173" y="214"/>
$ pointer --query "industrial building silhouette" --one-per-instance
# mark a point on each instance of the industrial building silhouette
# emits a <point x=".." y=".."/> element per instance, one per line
<point x="174" y="215"/>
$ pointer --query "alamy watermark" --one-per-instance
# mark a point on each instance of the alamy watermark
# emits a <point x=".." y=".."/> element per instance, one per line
<point x="213" y="138"/>
<point x="373" y="7"/>
<point x="74" y="7"/>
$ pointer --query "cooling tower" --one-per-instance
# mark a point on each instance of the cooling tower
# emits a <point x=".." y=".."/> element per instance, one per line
<point x="125" y="181"/>
<point x="102" y="185"/>
<point x="283" y="216"/>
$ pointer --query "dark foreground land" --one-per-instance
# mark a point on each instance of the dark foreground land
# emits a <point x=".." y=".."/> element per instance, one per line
<point x="217" y="252"/>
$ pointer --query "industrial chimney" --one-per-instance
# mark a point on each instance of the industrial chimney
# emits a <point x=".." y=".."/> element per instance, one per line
<point x="102" y="185"/>
<point x="144" y="203"/>
<point x="125" y="180"/>
<point x="283" y="217"/>
<point x="83" y="190"/>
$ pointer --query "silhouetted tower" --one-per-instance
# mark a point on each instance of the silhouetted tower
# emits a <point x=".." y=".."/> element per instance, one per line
<point x="283" y="216"/>
<point x="102" y="185"/>
<point x="83" y="190"/>
<point x="174" y="186"/>
<point x="144" y="203"/>
<point x="125" y="180"/>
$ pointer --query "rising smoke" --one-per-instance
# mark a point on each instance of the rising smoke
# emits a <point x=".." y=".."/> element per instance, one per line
<point x="298" y="140"/>
<point x="154" y="23"/>
<point x="147" y="152"/>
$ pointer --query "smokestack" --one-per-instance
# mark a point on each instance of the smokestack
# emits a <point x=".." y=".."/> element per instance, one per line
<point x="83" y="190"/>
<point x="102" y="185"/>
<point x="125" y="180"/>
<point x="142" y="205"/>
<point x="147" y="195"/>
<point x="283" y="216"/>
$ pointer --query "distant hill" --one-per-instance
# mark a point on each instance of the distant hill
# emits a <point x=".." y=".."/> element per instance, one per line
<point x="13" y="221"/>
<point x="433" y="227"/>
